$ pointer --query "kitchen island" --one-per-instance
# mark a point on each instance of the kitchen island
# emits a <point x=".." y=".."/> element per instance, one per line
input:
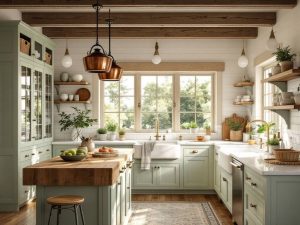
<point x="104" y="183"/>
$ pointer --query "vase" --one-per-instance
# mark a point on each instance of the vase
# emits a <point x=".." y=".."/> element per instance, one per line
<point x="236" y="135"/>
<point x="89" y="143"/>
<point x="286" y="65"/>
<point x="76" y="134"/>
<point x="102" y="137"/>
<point x="193" y="130"/>
<point x="64" y="76"/>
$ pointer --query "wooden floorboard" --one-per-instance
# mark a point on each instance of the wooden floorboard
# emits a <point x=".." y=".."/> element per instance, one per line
<point x="26" y="215"/>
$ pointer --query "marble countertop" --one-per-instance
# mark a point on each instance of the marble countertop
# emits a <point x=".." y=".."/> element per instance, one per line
<point x="253" y="158"/>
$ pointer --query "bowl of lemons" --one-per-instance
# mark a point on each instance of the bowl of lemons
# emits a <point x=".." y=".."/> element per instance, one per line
<point x="72" y="155"/>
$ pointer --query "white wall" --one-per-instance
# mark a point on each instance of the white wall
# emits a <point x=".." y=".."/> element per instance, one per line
<point x="287" y="32"/>
<point x="10" y="14"/>
<point x="126" y="50"/>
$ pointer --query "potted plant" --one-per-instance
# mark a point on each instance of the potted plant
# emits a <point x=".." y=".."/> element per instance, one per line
<point x="102" y="134"/>
<point x="285" y="58"/>
<point x="185" y="126"/>
<point x="111" y="127"/>
<point x="193" y="127"/>
<point x="261" y="130"/>
<point x="236" y="130"/>
<point x="78" y="120"/>
<point x="207" y="129"/>
<point x="273" y="143"/>
<point x="122" y="134"/>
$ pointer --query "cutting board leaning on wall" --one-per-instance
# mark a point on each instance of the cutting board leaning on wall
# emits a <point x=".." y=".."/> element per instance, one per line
<point x="225" y="128"/>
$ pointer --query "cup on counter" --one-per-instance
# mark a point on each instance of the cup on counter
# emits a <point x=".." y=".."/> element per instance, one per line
<point x="76" y="98"/>
<point x="71" y="97"/>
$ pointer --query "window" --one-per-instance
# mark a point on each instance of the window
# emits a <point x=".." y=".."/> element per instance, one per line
<point x="119" y="102"/>
<point x="138" y="100"/>
<point x="196" y="100"/>
<point x="157" y="101"/>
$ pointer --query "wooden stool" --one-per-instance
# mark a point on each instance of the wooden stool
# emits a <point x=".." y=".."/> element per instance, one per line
<point x="70" y="202"/>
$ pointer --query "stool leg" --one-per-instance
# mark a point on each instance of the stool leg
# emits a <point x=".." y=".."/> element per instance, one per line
<point x="58" y="214"/>
<point x="82" y="217"/>
<point x="50" y="215"/>
<point x="76" y="217"/>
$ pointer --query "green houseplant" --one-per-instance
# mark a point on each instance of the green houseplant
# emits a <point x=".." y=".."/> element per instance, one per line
<point x="185" y="126"/>
<point x="111" y="127"/>
<point x="236" y="129"/>
<point x="78" y="120"/>
<point x="122" y="133"/>
<point x="193" y="127"/>
<point x="273" y="143"/>
<point x="285" y="57"/>
<point x="102" y="134"/>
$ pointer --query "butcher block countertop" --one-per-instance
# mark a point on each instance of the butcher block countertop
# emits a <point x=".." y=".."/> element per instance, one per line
<point x="88" y="172"/>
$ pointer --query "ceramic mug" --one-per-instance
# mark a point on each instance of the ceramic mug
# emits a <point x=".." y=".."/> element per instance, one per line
<point x="76" y="98"/>
<point x="71" y="97"/>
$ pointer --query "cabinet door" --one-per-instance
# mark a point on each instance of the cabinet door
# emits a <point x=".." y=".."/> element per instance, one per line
<point x="122" y="197"/>
<point x="37" y="108"/>
<point x="226" y="189"/>
<point x="128" y="192"/>
<point x="217" y="178"/>
<point x="196" y="172"/>
<point x="26" y="86"/>
<point x="25" y="191"/>
<point x="118" y="202"/>
<point x="48" y="100"/>
<point x="143" y="178"/>
<point x="167" y="175"/>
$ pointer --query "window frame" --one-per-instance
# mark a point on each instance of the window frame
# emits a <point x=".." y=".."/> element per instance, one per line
<point x="176" y="126"/>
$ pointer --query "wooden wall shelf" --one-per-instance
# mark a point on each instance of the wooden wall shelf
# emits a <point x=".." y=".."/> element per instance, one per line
<point x="243" y="103"/>
<point x="244" y="84"/>
<point x="70" y="83"/>
<point x="282" y="107"/>
<point x="59" y="102"/>
<point x="285" y="76"/>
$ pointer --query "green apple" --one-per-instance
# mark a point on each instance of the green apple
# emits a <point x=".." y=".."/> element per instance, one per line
<point x="69" y="154"/>
<point x="80" y="152"/>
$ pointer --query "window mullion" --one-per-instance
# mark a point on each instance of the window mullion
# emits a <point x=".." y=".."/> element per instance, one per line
<point x="138" y="108"/>
<point x="176" y="100"/>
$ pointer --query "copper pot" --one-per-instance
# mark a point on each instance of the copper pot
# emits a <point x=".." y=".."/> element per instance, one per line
<point x="114" y="74"/>
<point x="97" y="61"/>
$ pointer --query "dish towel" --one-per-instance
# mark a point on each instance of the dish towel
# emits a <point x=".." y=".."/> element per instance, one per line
<point x="146" y="150"/>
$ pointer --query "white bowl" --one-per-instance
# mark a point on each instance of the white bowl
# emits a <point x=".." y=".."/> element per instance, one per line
<point x="77" y="77"/>
<point x="64" y="97"/>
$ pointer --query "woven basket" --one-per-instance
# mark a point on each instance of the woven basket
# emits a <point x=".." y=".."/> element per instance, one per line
<point x="286" y="155"/>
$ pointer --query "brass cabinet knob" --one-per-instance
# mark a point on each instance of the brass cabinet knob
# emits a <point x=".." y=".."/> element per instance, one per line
<point x="248" y="178"/>
<point x="224" y="179"/>
<point x="195" y="151"/>
<point x="253" y="205"/>
<point x="253" y="184"/>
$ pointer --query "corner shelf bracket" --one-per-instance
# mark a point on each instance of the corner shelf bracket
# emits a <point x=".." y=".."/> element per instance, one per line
<point x="285" y="114"/>
<point x="282" y="85"/>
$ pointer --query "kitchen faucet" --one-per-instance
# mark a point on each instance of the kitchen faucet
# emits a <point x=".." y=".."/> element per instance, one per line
<point x="157" y="136"/>
<point x="249" y="127"/>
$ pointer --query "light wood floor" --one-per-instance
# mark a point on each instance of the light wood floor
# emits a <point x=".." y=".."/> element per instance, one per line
<point x="26" y="215"/>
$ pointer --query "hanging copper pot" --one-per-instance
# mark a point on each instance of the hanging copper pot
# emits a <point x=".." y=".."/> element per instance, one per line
<point x="114" y="74"/>
<point x="97" y="61"/>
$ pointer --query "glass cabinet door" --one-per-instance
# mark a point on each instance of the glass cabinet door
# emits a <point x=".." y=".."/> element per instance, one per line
<point x="25" y="103"/>
<point x="37" y="123"/>
<point x="48" y="105"/>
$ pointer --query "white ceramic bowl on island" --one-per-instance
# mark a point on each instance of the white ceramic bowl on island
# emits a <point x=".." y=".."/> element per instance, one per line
<point x="77" y="77"/>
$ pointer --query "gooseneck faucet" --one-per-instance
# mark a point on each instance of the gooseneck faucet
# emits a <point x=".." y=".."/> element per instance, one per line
<point x="157" y="136"/>
<point x="249" y="127"/>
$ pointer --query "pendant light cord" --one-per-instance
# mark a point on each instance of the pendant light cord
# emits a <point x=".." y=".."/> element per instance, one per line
<point x="97" y="6"/>
<point x="109" y="33"/>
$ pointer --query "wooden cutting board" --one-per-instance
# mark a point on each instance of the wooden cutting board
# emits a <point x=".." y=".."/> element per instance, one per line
<point x="225" y="128"/>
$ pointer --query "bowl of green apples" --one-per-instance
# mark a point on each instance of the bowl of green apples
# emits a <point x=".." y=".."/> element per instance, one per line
<point x="73" y="155"/>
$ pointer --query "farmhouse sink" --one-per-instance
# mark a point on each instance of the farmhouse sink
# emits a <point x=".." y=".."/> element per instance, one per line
<point x="161" y="150"/>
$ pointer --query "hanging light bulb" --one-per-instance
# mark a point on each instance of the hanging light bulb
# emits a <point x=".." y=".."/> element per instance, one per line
<point x="272" y="44"/>
<point x="156" y="57"/>
<point x="243" y="60"/>
<point x="116" y="71"/>
<point x="67" y="61"/>
<point x="97" y="61"/>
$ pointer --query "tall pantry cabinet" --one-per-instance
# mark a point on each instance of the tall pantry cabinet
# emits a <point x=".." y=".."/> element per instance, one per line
<point x="26" y="105"/>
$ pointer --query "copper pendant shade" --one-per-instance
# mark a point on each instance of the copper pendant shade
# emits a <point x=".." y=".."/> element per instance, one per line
<point x="116" y="71"/>
<point x="97" y="61"/>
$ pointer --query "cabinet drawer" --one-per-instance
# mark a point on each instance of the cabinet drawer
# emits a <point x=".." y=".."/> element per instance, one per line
<point x="44" y="152"/>
<point x="254" y="182"/>
<point x="196" y="151"/>
<point x="27" y="155"/>
<point x="254" y="206"/>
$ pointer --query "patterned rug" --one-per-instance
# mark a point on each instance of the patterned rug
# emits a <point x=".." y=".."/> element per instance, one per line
<point x="173" y="213"/>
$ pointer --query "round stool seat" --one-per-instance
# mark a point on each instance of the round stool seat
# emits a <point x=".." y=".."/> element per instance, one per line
<point x="65" y="200"/>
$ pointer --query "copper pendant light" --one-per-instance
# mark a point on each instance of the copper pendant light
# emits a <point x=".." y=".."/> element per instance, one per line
<point x="97" y="60"/>
<point x="116" y="71"/>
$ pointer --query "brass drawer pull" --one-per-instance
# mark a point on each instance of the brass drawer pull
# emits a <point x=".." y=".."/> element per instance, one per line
<point x="195" y="151"/>
<point x="253" y="206"/>
<point x="224" y="179"/>
<point x="253" y="184"/>
<point x="26" y="156"/>
<point x="26" y="191"/>
<point x="32" y="153"/>
<point x="248" y="178"/>
<point x="40" y="152"/>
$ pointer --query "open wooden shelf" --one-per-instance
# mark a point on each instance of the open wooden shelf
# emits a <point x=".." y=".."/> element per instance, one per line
<point x="59" y="102"/>
<point x="71" y="83"/>
<point x="243" y="103"/>
<point x="282" y="107"/>
<point x="285" y="76"/>
<point x="244" y="84"/>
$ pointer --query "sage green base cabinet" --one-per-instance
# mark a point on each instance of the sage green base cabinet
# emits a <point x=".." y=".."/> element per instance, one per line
<point x="26" y="93"/>
<point x="103" y="205"/>
<point x="271" y="200"/>
<point x="194" y="170"/>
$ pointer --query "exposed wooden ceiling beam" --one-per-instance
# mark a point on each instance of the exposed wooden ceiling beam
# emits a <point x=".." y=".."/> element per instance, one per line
<point x="216" y="19"/>
<point x="197" y="3"/>
<point x="154" y="32"/>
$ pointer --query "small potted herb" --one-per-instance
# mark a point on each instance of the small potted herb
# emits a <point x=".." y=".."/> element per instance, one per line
<point x="261" y="130"/>
<point x="193" y="127"/>
<point x="273" y="143"/>
<point x="285" y="57"/>
<point x="111" y="127"/>
<point x="185" y="126"/>
<point x="236" y="129"/>
<point x="122" y="134"/>
<point x="102" y="134"/>
<point x="207" y="129"/>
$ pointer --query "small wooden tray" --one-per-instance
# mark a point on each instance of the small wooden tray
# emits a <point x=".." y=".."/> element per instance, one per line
<point x="104" y="155"/>
<point x="84" y="94"/>
<point x="275" y="161"/>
